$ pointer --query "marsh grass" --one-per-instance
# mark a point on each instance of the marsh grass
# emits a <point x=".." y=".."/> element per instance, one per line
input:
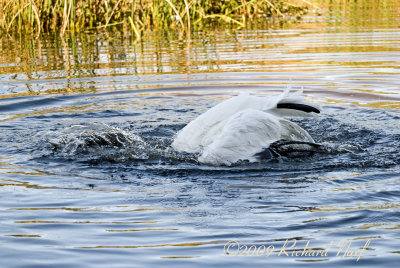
<point x="36" y="16"/>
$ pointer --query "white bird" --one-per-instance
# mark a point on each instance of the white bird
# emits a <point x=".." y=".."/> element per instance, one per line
<point x="242" y="127"/>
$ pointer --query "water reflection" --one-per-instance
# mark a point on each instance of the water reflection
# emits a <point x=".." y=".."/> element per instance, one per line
<point x="104" y="205"/>
<point x="104" y="62"/>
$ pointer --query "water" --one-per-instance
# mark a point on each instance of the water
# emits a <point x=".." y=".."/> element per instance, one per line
<point x="88" y="179"/>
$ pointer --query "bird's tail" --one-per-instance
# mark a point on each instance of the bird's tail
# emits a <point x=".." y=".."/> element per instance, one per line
<point x="292" y="104"/>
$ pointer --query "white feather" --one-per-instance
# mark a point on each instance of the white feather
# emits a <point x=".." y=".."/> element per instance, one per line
<point x="240" y="127"/>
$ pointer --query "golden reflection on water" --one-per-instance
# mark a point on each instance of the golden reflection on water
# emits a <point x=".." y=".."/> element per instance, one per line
<point x="357" y="207"/>
<point x="387" y="226"/>
<point x="29" y="185"/>
<point x="142" y="230"/>
<point x="191" y="244"/>
<point x="24" y="235"/>
<point x="311" y="260"/>
<point x="339" y="176"/>
<point x="94" y="106"/>
<point x="377" y="104"/>
<point x="53" y="65"/>
<point x="87" y="222"/>
<point x="180" y="257"/>
<point x="63" y="109"/>
<point x="114" y="209"/>
<point x="314" y="220"/>
<point x="367" y="237"/>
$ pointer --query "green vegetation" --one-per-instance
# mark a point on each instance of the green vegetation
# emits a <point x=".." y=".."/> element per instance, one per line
<point x="36" y="16"/>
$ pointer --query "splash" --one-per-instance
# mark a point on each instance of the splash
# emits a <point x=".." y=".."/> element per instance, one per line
<point x="341" y="145"/>
<point x="100" y="142"/>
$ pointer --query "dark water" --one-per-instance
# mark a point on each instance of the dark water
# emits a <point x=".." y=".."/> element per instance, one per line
<point x="87" y="177"/>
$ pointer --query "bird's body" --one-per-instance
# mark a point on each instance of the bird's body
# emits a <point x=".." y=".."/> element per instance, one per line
<point x="243" y="126"/>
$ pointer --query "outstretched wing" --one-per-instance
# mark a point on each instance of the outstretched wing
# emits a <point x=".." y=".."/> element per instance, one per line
<point x="246" y="133"/>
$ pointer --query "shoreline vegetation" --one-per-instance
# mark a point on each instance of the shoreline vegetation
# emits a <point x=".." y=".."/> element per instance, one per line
<point x="138" y="16"/>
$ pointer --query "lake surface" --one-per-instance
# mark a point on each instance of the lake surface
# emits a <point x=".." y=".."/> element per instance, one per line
<point x="87" y="177"/>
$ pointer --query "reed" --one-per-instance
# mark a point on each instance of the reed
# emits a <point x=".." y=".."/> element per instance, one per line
<point x="36" y="16"/>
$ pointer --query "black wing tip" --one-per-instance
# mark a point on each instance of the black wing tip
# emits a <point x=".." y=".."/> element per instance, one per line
<point x="289" y="149"/>
<point x="298" y="106"/>
<point x="266" y="154"/>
